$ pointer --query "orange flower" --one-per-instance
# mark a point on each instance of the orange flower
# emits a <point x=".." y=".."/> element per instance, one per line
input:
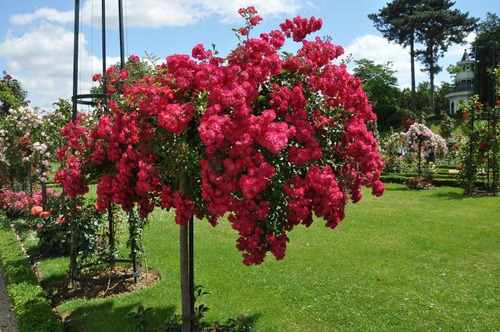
<point x="45" y="214"/>
<point x="36" y="210"/>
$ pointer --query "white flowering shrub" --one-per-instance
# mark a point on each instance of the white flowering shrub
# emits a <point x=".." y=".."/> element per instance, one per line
<point x="25" y="156"/>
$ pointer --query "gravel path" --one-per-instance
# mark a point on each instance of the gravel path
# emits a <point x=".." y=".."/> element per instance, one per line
<point x="7" y="320"/>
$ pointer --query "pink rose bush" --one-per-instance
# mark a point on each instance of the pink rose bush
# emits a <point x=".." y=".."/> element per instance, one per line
<point x="268" y="141"/>
<point x="23" y="204"/>
<point x="419" y="134"/>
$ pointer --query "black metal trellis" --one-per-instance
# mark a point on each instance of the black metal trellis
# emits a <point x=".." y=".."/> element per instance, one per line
<point x="492" y="165"/>
<point x="485" y="180"/>
<point x="485" y="85"/>
<point x="91" y="100"/>
<point x="483" y="177"/>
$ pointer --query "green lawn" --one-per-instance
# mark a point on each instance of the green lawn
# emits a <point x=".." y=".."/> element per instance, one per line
<point x="409" y="260"/>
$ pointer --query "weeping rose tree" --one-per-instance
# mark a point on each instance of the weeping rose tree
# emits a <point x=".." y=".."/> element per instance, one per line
<point x="420" y="138"/>
<point x="268" y="141"/>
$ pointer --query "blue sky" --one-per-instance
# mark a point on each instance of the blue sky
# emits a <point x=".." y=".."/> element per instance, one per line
<point x="36" y="36"/>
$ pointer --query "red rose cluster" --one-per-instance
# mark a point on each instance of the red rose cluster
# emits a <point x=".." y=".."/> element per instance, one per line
<point x="265" y="140"/>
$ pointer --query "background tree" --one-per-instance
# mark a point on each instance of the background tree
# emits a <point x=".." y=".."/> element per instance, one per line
<point x="396" y="23"/>
<point x="487" y="54"/>
<point x="422" y="99"/>
<point x="12" y="94"/>
<point x="380" y="84"/>
<point x="442" y="103"/>
<point x="453" y="70"/>
<point x="437" y="28"/>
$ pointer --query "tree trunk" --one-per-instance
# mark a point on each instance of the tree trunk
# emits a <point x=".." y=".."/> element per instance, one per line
<point x="431" y="94"/>
<point x="419" y="158"/>
<point x="73" y="264"/>
<point x="413" y="88"/>
<point x="186" y="267"/>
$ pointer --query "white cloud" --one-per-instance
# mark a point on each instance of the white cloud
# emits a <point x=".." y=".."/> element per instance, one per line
<point x="41" y="52"/>
<point x="379" y="50"/>
<point x="49" y="14"/>
<point x="42" y="59"/>
<point x="180" y="12"/>
<point x="158" y="13"/>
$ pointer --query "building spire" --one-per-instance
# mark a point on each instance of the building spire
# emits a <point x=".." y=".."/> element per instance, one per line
<point x="465" y="57"/>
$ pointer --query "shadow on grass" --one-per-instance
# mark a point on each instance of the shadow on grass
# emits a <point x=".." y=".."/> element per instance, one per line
<point x="106" y="316"/>
<point x="252" y="320"/>
<point x="130" y="318"/>
<point x="435" y="193"/>
<point x="462" y="196"/>
<point x="51" y="283"/>
<point x="399" y="188"/>
<point x="449" y="195"/>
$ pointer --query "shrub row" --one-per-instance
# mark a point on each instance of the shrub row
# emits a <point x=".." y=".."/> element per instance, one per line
<point x="403" y="178"/>
<point x="30" y="304"/>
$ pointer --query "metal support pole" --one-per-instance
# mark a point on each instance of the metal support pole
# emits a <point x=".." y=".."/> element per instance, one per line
<point x="120" y="26"/>
<point x="111" y="234"/>
<point x="191" y="262"/>
<point x="132" y="219"/>
<point x="75" y="58"/>
<point x="103" y="32"/>
<point x="104" y="65"/>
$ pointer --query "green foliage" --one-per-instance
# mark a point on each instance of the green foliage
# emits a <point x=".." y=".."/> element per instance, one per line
<point x="396" y="22"/>
<point x="12" y="94"/>
<point x="446" y="127"/>
<point x="136" y="69"/>
<point x="438" y="27"/>
<point x="136" y="227"/>
<point x="486" y="50"/>
<point x="379" y="83"/>
<point x="441" y="102"/>
<point x="54" y="122"/>
<point x="433" y="23"/>
<point x="173" y="324"/>
<point x="139" y="318"/>
<point x="54" y="232"/>
<point x="30" y="305"/>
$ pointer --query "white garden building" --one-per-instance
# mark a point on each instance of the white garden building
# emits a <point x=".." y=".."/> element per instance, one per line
<point x="464" y="88"/>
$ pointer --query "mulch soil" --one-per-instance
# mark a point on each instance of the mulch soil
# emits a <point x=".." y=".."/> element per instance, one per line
<point x="100" y="284"/>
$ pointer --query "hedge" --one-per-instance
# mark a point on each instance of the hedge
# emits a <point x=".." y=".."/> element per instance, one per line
<point x="30" y="304"/>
